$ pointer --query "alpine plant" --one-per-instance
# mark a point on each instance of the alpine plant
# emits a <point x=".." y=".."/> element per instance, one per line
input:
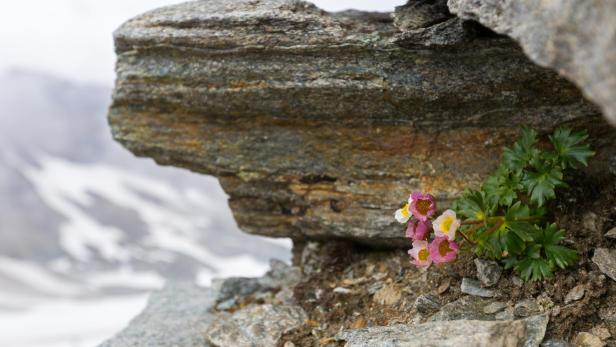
<point x="505" y="219"/>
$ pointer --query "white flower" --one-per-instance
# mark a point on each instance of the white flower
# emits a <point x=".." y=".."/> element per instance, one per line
<point x="446" y="225"/>
<point x="402" y="215"/>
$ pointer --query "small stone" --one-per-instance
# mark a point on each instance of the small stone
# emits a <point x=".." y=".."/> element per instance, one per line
<point x="473" y="287"/>
<point x="606" y="261"/>
<point x="555" y="311"/>
<point x="488" y="271"/>
<point x="388" y="295"/>
<point x="374" y="287"/>
<point x="611" y="233"/>
<point x="288" y="344"/>
<point x="427" y="304"/>
<point x="556" y="343"/>
<point x="601" y="332"/>
<point x="517" y="281"/>
<point x="494" y="307"/>
<point x="342" y="290"/>
<point x="585" y="339"/>
<point x="526" y="308"/>
<point x="575" y="294"/>
<point x="442" y="288"/>
<point x="592" y="222"/>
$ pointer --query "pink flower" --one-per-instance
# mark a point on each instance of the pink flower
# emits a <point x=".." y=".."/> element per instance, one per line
<point x="420" y="253"/>
<point x="418" y="230"/>
<point x="443" y="250"/>
<point x="422" y="206"/>
<point x="446" y="225"/>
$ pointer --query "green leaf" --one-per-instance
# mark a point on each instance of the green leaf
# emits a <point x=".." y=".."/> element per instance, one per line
<point x="501" y="188"/>
<point x="534" y="269"/>
<point x="561" y="255"/>
<point x="472" y="205"/>
<point x="569" y="147"/>
<point x="522" y="229"/>
<point x="522" y="152"/>
<point x="540" y="185"/>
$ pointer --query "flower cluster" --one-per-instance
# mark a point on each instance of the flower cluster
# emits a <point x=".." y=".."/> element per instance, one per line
<point x="418" y="213"/>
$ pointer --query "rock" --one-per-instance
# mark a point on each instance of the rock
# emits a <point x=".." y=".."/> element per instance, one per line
<point x="255" y="326"/>
<point x="439" y="334"/>
<point x="611" y="233"/>
<point x="575" y="294"/>
<point x="526" y="307"/>
<point x="592" y="222"/>
<point x="575" y="38"/>
<point x="528" y="333"/>
<point x="606" y="261"/>
<point x="556" y="343"/>
<point x="601" y="331"/>
<point x="317" y="124"/>
<point x="427" y="304"/>
<point x="473" y="287"/>
<point x="342" y="290"/>
<point x="281" y="275"/>
<point x="536" y="326"/>
<point x="465" y="308"/>
<point x="494" y="307"/>
<point x="387" y="295"/>
<point x="451" y="32"/>
<point x="517" y="281"/>
<point x="488" y="271"/>
<point x="585" y="339"/>
<point x="418" y="14"/>
<point x="174" y="316"/>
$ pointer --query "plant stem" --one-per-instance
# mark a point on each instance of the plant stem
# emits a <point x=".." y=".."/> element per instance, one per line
<point x="466" y="238"/>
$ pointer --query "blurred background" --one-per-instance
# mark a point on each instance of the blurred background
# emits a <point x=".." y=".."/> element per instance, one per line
<point x="86" y="229"/>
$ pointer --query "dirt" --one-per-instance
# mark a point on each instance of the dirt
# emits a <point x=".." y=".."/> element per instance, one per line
<point x="347" y="286"/>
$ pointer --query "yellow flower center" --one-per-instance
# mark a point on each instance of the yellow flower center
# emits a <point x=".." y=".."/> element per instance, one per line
<point x="423" y="254"/>
<point x="444" y="248"/>
<point x="405" y="211"/>
<point x="446" y="224"/>
<point x="423" y="206"/>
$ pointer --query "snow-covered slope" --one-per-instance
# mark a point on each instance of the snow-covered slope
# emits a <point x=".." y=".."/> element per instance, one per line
<point x="82" y="221"/>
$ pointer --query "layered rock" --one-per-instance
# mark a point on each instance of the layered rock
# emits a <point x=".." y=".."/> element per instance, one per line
<point x="576" y="38"/>
<point x="319" y="124"/>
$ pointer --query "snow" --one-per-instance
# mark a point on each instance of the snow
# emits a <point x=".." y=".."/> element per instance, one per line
<point x="69" y="323"/>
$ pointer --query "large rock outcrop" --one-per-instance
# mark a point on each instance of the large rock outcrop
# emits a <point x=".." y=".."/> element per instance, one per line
<point x="577" y="38"/>
<point x="319" y="124"/>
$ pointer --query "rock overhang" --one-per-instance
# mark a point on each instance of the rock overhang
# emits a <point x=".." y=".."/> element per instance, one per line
<point x="319" y="124"/>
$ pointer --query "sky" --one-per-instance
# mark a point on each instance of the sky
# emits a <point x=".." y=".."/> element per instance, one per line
<point x="72" y="38"/>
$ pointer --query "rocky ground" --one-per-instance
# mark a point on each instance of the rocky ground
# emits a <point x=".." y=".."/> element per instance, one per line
<point x="339" y="293"/>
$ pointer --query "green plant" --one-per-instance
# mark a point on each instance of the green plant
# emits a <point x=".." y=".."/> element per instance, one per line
<point x="506" y="216"/>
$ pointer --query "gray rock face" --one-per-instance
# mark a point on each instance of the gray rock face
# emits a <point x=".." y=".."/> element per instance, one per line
<point x="416" y="14"/>
<point x="606" y="261"/>
<point x="176" y="316"/>
<point x="575" y="38"/>
<point x="318" y="124"/>
<point x="440" y="334"/>
<point x="255" y="326"/>
<point x="280" y="275"/>
<point x="473" y="287"/>
<point x="488" y="271"/>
